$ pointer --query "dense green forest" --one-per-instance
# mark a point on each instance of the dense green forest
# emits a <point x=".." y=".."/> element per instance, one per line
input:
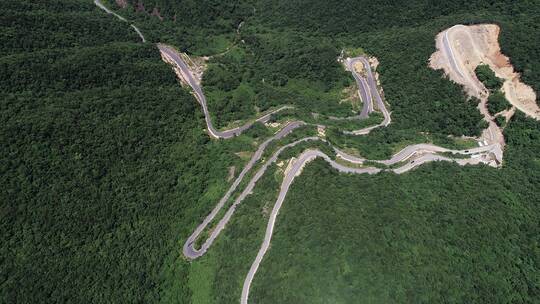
<point x="292" y="59"/>
<point x="106" y="166"/>
<point x="488" y="77"/>
<point x="497" y="103"/>
<point x="427" y="237"/>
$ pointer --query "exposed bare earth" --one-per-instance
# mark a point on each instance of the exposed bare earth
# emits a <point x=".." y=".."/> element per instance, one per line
<point x="478" y="44"/>
<point x="458" y="68"/>
<point x="358" y="67"/>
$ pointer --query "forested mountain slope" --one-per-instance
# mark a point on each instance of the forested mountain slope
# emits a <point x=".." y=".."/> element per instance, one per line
<point x="106" y="167"/>
<point x="103" y="156"/>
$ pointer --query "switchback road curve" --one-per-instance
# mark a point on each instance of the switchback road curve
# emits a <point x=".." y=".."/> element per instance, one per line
<point x="414" y="155"/>
<point x="172" y="56"/>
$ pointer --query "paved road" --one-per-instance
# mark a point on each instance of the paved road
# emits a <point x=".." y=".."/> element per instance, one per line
<point x="493" y="133"/>
<point x="173" y="56"/>
<point x="409" y="151"/>
<point x="363" y="92"/>
<point x="108" y="11"/>
<point x="368" y="91"/>
<point x="367" y="88"/>
<point x="363" y="88"/>
<point x="450" y="53"/>
<point x="302" y="160"/>
<point x="412" y="151"/>
<point x="416" y="155"/>
<point x="309" y="155"/>
<point x="468" y="78"/>
<point x="138" y="33"/>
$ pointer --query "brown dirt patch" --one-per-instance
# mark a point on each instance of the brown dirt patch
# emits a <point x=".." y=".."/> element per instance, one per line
<point x="460" y="49"/>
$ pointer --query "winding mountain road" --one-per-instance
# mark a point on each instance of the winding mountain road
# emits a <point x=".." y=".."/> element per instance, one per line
<point x="186" y="74"/>
<point x="189" y="250"/>
<point x="367" y="89"/>
<point x="414" y="155"/>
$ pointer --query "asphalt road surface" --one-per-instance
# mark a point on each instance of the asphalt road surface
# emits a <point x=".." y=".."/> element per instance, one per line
<point x="368" y="91"/>
<point x="309" y="155"/>
<point x="450" y="54"/>
<point x="414" y="155"/>
<point x="302" y="160"/>
<point x="199" y="95"/>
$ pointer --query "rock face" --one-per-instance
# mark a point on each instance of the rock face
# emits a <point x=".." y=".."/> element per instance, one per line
<point x="460" y="49"/>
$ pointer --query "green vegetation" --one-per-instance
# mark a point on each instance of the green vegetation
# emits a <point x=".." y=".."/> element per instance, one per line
<point x="382" y="143"/>
<point x="270" y="70"/>
<point x="107" y="168"/>
<point x="196" y="27"/>
<point x="425" y="237"/>
<point x="106" y="165"/>
<point x="353" y="124"/>
<point x="440" y="227"/>
<point x="500" y="121"/>
<point x="497" y="102"/>
<point x="488" y="77"/>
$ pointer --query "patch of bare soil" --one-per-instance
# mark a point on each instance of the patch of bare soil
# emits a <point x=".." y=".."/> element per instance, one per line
<point x="321" y="131"/>
<point x="359" y="68"/>
<point x="460" y="49"/>
<point x="232" y="169"/>
<point x="244" y="155"/>
<point x="374" y="63"/>
<point x="122" y="3"/>
<point x="273" y="124"/>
